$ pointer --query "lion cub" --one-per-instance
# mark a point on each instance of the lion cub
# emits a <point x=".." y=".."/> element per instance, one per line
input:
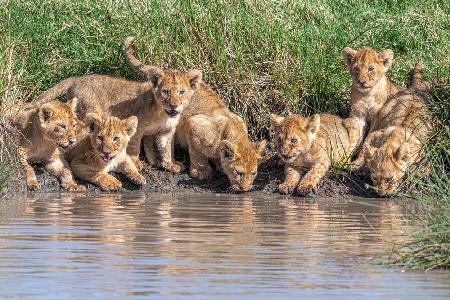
<point x="45" y="132"/>
<point x="211" y="131"/>
<point x="104" y="151"/>
<point x="371" y="87"/>
<point x="397" y="140"/>
<point x="309" y="146"/>
<point x="157" y="103"/>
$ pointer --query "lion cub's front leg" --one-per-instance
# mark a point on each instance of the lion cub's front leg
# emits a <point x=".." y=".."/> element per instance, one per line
<point x="292" y="177"/>
<point x="134" y="148"/>
<point x="32" y="183"/>
<point x="105" y="182"/>
<point x="199" y="166"/>
<point x="59" y="168"/>
<point x="164" y="143"/>
<point x="308" y="184"/>
<point x="129" y="169"/>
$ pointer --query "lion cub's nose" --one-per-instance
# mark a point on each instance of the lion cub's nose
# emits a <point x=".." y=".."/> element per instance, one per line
<point x="173" y="106"/>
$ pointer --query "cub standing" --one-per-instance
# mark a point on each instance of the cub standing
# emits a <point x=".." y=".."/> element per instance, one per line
<point x="45" y="132"/>
<point x="308" y="147"/>
<point x="104" y="151"/>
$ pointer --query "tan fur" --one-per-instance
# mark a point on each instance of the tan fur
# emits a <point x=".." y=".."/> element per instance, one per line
<point x="308" y="147"/>
<point x="397" y="140"/>
<point x="45" y="131"/>
<point x="104" y="151"/>
<point x="371" y="87"/>
<point x="210" y="131"/>
<point x="157" y="103"/>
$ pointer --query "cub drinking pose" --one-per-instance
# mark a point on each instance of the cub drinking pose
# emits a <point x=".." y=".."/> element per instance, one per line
<point x="397" y="140"/>
<point x="211" y="131"/>
<point x="156" y="103"/>
<point x="371" y="87"/>
<point x="309" y="146"/>
<point x="44" y="132"/>
<point x="103" y="151"/>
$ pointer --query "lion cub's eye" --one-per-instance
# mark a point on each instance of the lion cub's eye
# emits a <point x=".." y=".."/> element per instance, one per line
<point x="75" y="125"/>
<point x="294" y="141"/>
<point x="116" y="139"/>
<point x="356" y="69"/>
<point x="389" y="180"/>
<point x="239" y="173"/>
<point x="181" y="93"/>
<point x="165" y="92"/>
<point x="63" y="126"/>
<point x="254" y="173"/>
<point x="100" y="138"/>
<point x="370" y="69"/>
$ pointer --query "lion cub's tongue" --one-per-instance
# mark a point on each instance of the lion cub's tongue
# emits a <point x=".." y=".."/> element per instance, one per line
<point x="106" y="158"/>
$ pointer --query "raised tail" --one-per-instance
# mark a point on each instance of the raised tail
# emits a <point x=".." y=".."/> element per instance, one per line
<point x="136" y="64"/>
<point x="417" y="78"/>
<point x="53" y="92"/>
<point x="149" y="72"/>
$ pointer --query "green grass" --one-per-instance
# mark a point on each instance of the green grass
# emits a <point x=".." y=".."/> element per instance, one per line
<point x="260" y="56"/>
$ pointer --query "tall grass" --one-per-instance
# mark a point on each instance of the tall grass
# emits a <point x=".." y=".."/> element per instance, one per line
<point x="260" y="56"/>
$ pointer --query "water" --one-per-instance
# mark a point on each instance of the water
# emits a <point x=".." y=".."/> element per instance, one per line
<point x="201" y="246"/>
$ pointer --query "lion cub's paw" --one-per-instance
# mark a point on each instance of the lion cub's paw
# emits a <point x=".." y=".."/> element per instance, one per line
<point x="33" y="185"/>
<point x="175" y="167"/>
<point x="138" y="179"/>
<point x="306" y="188"/>
<point x="138" y="163"/>
<point x="72" y="186"/>
<point x="286" y="188"/>
<point x="201" y="174"/>
<point x="110" y="184"/>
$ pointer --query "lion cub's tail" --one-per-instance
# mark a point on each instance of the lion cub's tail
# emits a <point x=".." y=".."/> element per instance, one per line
<point x="417" y="78"/>
<point x="145" y="70"/>
<point x="53" y="92"/>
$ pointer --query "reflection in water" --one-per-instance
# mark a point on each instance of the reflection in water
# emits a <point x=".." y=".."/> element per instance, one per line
<point x="180" y="246"/>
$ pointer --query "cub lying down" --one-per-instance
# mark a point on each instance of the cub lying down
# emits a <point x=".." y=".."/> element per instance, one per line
<point x="103" y="151"/>
<point x="309" y="146"/>
<point x="46" y="132"/>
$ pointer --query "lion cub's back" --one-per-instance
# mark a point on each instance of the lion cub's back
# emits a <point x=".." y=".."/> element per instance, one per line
<point x="333" y="136"/>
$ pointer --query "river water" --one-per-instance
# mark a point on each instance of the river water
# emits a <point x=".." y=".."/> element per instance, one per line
<point x="203" y="246"/>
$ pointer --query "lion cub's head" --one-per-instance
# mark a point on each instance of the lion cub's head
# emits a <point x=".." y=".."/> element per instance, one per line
<point x="58" y="122"/>
<point x="294" y="134"/>
<point x="110" y="135"/>
<point x="174" y="89"/>
<point x="240" y="163"/>
<point x="367" y="66"/>
<point x="388" y="163"/>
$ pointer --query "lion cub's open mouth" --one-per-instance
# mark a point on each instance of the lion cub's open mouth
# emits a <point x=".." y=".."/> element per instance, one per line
<point x="106" y="157"/>
<point x="172" y="113"/>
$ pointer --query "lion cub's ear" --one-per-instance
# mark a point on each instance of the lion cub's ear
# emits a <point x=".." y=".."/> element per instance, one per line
<point x="386" y="57"/>
<point x="195" y="77"/>
<point x="45" y="112"/>
<point x="73" y="103"/>
<point x="154" y="75"/>
<point x="93" y="121"/>
<point x="228" y="150"/>
<point x="401" y="154"/>
<point x="348" y="54"/>
<point x="314" y="125"/>
<point x="275" y="120"/>
<point x="260" y="149"/>
<point x="130" y="125"/>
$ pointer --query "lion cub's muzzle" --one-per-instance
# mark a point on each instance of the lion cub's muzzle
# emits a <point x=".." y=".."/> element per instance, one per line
<point x="66" y="144"/>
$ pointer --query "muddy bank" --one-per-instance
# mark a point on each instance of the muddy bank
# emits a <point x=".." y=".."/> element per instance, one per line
<point x="270" y="174"/>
